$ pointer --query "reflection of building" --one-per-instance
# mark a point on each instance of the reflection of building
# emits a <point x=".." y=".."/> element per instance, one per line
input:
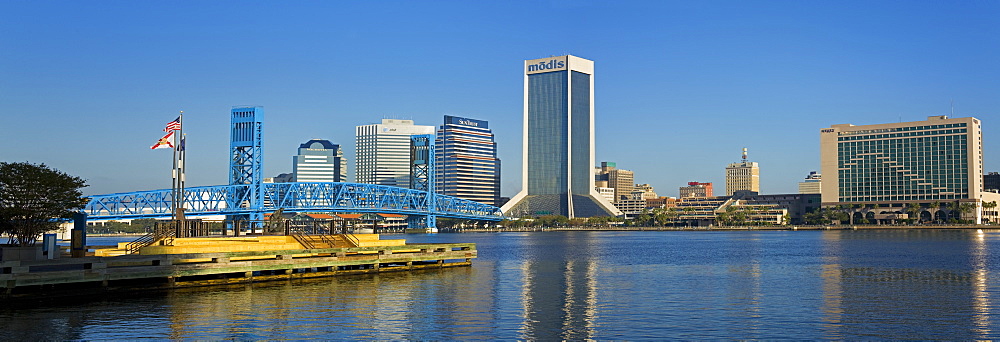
<point x="319" y="161"/>
<point x="559" y="297"/>
<point x="696" y="189"/>
<point x="557" y="174"/>
<point x="932" y="169"/>
<point x="742" y="176"/>
<point x="467" y="164"/>
<point x="382" y="152"/>
<point x="812" y="184"/>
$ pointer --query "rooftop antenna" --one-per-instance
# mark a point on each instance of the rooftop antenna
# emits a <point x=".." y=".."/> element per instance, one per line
<point x="744" y="154"/>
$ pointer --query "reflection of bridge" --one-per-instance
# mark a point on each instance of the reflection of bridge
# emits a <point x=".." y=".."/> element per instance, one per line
<point x="248" y="197"/>
<point x="292" y="197"/>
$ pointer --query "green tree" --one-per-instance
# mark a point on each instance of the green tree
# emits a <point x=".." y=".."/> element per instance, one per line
<point x="33" y="197"/>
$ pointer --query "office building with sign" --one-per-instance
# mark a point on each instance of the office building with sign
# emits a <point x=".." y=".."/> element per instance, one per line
<point x="319" y="161"/>
<point x="467" y="166"/>
<point x="382" y="152"/>
<point x="930" y="171"/>
<point x="558" y="157"/>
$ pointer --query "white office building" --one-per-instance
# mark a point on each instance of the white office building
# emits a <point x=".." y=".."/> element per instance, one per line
<point x="383" y="152"/>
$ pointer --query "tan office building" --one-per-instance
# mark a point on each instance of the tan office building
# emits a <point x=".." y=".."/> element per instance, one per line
<point x="743" y="175"/>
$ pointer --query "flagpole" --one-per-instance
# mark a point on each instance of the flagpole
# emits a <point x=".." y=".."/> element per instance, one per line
<point x="173" y="182"/>
<point x="182" y="167"/>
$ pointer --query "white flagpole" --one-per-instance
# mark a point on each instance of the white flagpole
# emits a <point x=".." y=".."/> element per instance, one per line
<point x="181" y="168"/>
<point x="173" y="182"/>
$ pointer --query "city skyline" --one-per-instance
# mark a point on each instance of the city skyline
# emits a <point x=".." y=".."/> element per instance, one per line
<point x="89" y="87"/>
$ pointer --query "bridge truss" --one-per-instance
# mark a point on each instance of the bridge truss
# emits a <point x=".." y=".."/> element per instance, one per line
<point x="293" y="197"/>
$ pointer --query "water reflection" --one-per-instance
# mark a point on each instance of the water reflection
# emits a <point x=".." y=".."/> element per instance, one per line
<point x="906" y="288"/>
<point x="980" y="297"/>
<point x="564" y="305"/>
<point x="841" y="285"/>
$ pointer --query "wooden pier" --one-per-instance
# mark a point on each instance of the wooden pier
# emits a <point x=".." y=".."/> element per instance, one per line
<point x="90" y="275"/>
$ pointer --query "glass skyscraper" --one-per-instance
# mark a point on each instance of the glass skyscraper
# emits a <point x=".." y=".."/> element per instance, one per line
<point x="557" y="175"/>
<point x="467" y="166"/>
<point x="319" y="161"/>
<point x="382" y="152"/>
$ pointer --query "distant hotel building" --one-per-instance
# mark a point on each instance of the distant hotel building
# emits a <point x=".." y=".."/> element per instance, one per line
<point x="557" y="169"/>
<point x="742" y="176"/>
<point x="383" y="152"/>
<point x="319" y="161"/>
<point x="812" y="184"/>
<point x="884" y="168"/>
<point x="467" y="163"/>
<point x="696" y="189"/>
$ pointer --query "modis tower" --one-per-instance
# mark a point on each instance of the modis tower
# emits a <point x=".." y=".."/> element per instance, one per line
<point x="558" y="161"/>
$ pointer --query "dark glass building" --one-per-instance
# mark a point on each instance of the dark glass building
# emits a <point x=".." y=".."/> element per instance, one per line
<point x="557" y="177"/>
<point x="319" y="161"/>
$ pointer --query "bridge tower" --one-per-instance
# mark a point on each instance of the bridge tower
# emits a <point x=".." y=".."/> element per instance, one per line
<point x="246" y="160"/>
<point x="422" y="178"/>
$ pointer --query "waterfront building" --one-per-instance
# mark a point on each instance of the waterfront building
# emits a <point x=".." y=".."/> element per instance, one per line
<point x="812" y="184"/>
<point x="696" y="189"/>
<point x="609" y="175"/>
<point x="467" y="165"/>
<point x="632" y="205"/>
<point x="319" y="161"/>
<point x="661" y="202"/>
<point x="742" y="176"/>
<point x="382" y="152"/>
<point x="558" y="156"/>
<point x="929" y="170"/>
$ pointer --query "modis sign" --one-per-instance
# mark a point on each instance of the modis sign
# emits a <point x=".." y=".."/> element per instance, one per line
<point x="545" y="65"/>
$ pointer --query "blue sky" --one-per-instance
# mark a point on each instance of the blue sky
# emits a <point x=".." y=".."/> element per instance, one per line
<point x="681" y="86"/>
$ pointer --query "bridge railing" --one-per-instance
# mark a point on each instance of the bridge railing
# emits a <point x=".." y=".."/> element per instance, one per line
<point x="293" y="197"/>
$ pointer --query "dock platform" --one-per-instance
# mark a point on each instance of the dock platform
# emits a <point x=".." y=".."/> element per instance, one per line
<point x="89" y="275"/>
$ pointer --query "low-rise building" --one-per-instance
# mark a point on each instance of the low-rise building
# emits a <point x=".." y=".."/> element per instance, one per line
<point x="696" y="189"/>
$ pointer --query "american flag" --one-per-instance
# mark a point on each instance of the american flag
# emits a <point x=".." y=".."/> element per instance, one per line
<point x="173" y="125"/>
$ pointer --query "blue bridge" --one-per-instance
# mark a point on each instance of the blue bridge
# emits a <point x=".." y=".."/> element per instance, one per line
<point x="248" y="197"/>
<point x="291" y="197"/>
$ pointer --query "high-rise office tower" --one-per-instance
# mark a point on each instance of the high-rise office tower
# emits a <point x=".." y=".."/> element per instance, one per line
<point x="608" y="175"/>
<point x="742" y="176"/>
<point x="382" y="152"/>
<point x="319" y="161"/>
<point x="558" y="157"/>
<point x="467" y="165"/>
<point x="812" y="184"/>
<point x="927" y="163"/>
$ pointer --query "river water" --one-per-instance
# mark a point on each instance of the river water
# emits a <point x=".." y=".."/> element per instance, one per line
<point x="878" y="284"/>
